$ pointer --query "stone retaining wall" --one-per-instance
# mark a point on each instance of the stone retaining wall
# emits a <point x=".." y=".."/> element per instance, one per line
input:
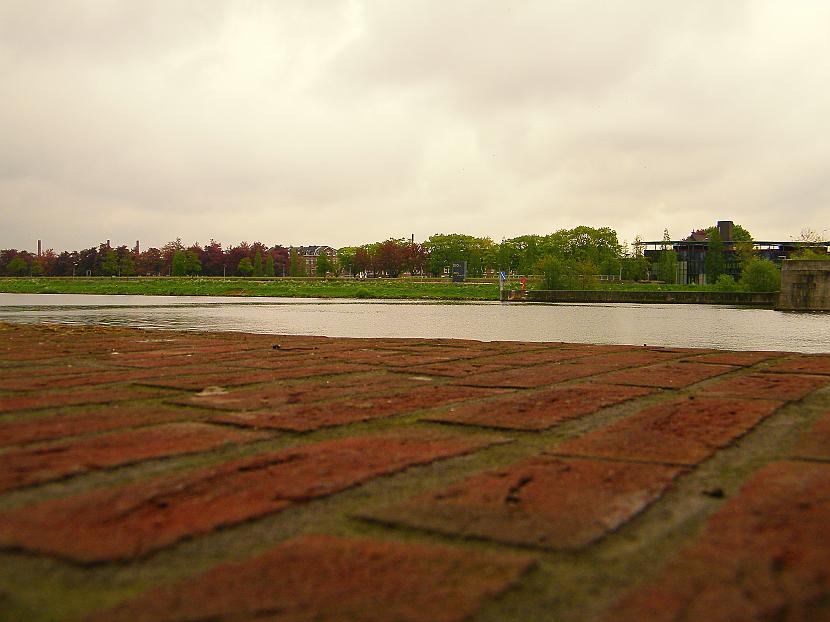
<point x="765" y="299"/>
<point x="805" y="285"/>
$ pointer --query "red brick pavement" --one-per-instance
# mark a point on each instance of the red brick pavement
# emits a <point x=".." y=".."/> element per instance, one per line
<point x="189" y="476"/>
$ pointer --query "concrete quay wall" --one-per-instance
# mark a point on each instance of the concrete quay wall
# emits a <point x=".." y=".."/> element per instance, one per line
<point x="805" y="285"/>
<point x="764" y="299"/>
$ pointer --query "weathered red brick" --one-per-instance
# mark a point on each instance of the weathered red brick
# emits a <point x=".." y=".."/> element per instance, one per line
<point x="84" y="421"/>
<point x="327" y="578"/>
<point x="306" y="417"/>
<point x="268" y="398"/>
<point x="544" y="501"/>
<point x="315" y="357"/>
<point x="668" y="375"/>
<point x="805" y="364"/>
<point x="204" y="352"/>
<point x="535" y="357"/>
<point x="58" y="460"/>
<point x="815" y="443"/>
<point x="132" y="520"/>
<point x="631" y="358"/>
<point x="25" y="378"/>
<point x="787" y="387"/>
<point x="741" y="359"/>
<point x="537" y="376"/>
<point x="229" y="378"/>
<point x="143" y="362"/>
<point x="762" y="556"/>
<point x="73" y="398"/>
<point x="540" y="410"/>
<point x="683" y="431"/>
<point x="455" y="369"/>
<point x="84" y="377"/>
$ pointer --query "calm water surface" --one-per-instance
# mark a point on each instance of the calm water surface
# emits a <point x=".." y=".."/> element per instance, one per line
<point x="665" y="325"/>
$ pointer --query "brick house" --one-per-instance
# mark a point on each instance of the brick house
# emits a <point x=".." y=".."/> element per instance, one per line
<point x="311" y="253"/>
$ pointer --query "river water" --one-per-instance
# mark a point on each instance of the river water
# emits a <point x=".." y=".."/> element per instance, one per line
<point x="706" y="326"/>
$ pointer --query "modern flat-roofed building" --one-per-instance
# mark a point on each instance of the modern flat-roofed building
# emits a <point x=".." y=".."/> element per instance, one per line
<point x="691" y="252"/>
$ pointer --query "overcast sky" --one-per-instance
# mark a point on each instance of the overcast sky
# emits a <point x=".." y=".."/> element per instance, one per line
<point x="345" y="122"/>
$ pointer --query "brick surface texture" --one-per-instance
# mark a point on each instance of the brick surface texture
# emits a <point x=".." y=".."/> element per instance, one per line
<point x="763" y="556"/>
<point x="540" y="410"/>
<point x="188" y="476"/>
<point x="325" y="578"/>
<point x="131" y="520"/>
<point x="545" y="502"/>
<point x="57" y="460"/>
<point x="683" y="431"/>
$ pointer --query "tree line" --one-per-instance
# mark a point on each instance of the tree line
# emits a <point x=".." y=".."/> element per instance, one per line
<point x="598" y="247"/>
<point x="174" y="258"/>
<point x="561" y="258"/>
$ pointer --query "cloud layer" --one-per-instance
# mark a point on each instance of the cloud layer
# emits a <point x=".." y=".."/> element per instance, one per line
<point x="346" y="122"/>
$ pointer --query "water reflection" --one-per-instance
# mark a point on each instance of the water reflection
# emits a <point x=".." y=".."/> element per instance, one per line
<point x="664" y="325"/>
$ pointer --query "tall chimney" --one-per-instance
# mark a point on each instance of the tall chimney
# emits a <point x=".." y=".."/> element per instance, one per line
<point x="137" y="248"/>
<point x="108" y="243"/>
<point x="38" y="248"/>
<point x="725" y="228"/>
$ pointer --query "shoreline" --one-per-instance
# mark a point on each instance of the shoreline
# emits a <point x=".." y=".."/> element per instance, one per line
<point x="377" y="289"/>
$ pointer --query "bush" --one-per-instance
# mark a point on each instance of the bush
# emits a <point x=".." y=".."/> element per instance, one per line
<point x="812" y="255"/>
<point x="245" y="267"/>
<point x="725" y="283"/>
<point x="556" y="273"/>
<point x="362" y="292"/>
<point x="761" y="275"/>
<point x="17" y="267"/>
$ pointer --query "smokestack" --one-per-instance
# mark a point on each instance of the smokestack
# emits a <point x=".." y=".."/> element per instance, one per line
<point x="137" y="248"/>
<point x="725" y="228"/>
<point x="412" y="239"/>
<point x="38" y="248"/>
<point x="108" y="243"/>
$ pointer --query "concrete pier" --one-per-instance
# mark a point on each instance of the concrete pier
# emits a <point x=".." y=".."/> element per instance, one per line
<point x="805" y="285"/>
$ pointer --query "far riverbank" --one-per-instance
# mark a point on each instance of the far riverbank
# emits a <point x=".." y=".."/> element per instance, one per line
<point x="311" y="287"/>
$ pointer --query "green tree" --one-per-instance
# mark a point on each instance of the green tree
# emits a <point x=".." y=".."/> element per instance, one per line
<point x="345" y="259"/>
<point x="269" y="265"/>
<point x="109" y="263"/>
<point x="297" y="263"/>
<point x="555" y="272"/>
<point x="324" y="265"/>
<point x="715" y="263"/>
<point x="193" y="264"/>
<point x="667" y="261"/>
<point x="245" y="267"/>
<point x="37" y="268"/>
<point x="17" y="267"/>
<point x="761" y="275"/>
<point x="178" y="266"/>
<point x="635" y="265"/>
<point x="258" y="263"/>
<point x="445" y="249"/>
<point x="126" y="265"/>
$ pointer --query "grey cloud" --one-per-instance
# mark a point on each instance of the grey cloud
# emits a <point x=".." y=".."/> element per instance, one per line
<point x="345" y="122"/>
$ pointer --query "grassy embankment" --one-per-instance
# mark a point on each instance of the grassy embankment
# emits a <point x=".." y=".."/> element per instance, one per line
<point x="403" y="288"/>
<point x="282" y="287"/>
